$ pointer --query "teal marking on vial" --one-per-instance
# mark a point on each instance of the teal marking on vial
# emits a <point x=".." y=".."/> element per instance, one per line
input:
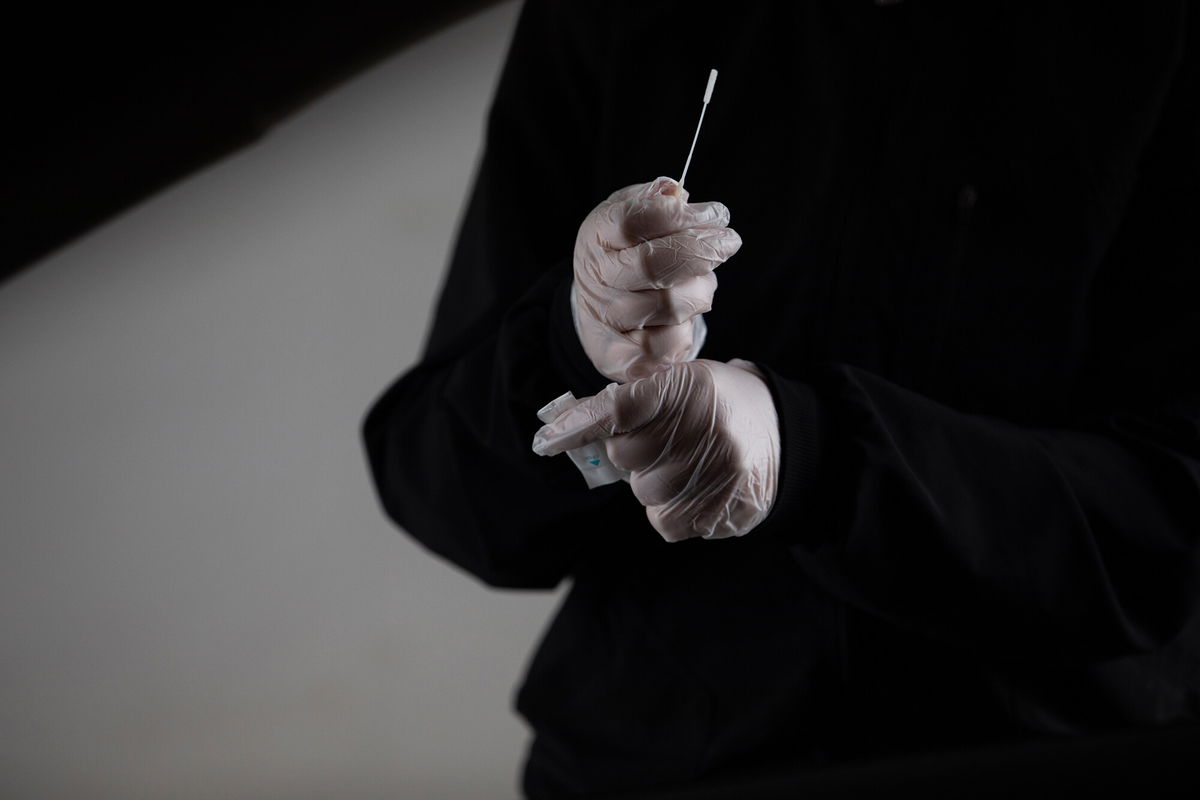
<point x="595" y="462"/>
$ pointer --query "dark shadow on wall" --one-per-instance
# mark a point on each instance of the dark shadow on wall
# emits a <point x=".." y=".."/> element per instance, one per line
<point x="106" y="106"/>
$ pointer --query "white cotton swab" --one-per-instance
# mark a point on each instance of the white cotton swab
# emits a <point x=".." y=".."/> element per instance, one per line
<point x="708" y="90"/>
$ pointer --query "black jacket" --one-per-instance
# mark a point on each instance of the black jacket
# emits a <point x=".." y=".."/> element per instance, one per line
<point x="971" y="272"/>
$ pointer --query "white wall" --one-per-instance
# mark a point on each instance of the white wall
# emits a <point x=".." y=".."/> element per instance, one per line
<point x="199" y="595"/>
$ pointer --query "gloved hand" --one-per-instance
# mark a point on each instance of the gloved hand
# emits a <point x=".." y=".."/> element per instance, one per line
<point x="701" y="439"/>
<point x="643" y="276"/>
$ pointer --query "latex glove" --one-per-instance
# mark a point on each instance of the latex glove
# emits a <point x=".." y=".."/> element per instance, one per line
<point x="701" y="439"/>
<point x="643" y="276"/>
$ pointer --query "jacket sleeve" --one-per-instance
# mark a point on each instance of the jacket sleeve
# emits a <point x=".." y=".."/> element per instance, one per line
<point x="449" y="443"/>
<point x="1081" y="538"/>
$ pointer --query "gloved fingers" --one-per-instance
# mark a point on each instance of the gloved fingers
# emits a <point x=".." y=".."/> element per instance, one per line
<point x="635" y="451"/>
<point x="617" y="409"/>
<point x="701" y="439"/>
<point x="659" y="346"/>
<point x="627" y="219"/>
<point x="616" y="227"/>
<point x="628" y="311"/>
<point x="706" y="506"/>
<point x="661" y="483"/>
<point x="668" y="260"/>
<point x="740" y="511"/>
<point x="723" y="522"/>
<point x="643" y="218"/>
<point x="618" y="352"/>
<point x="592" y="420"/>
<point x="663" y="185"/>
<point x="660" y="185"/>
<point x="605" y="226"/>
<point x="670" y="525"/>
<point x="632" y="354"/>
<point x="749" y="366"/>
<point x="627" y="192"/>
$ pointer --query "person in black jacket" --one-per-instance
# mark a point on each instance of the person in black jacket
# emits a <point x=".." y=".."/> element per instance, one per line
<point x="970" y="279"/>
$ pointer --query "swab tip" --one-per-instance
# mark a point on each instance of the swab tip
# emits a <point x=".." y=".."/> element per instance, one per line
<point x="712" y="81"/>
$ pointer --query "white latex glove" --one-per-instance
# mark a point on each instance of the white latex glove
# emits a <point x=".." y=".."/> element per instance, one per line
<point x="701" y="439"/>
<point x="643" y="276"/>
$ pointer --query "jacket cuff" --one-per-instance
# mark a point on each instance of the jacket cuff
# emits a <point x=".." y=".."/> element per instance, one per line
<point x="566" y="352"/>
<point x="800" y="427"/>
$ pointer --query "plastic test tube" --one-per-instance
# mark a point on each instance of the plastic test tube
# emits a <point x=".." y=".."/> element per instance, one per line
<point x="592" y="459"/>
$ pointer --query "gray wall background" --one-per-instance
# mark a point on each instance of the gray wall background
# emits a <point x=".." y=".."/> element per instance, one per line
<point x="199" y="595"/>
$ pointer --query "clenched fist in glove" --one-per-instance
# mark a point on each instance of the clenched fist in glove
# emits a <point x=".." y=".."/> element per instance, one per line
<point x="643" y="276"/>
<point x="701" y="439"/>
